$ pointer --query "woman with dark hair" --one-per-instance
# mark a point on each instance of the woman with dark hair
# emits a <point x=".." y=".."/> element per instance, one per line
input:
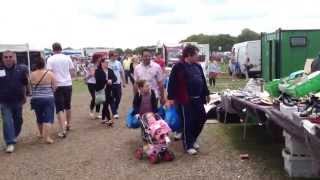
<point x="187" y="89"/>
<point x="105" y="77"/>
<point x="42" y="101"/>
<point x="91" y="83"/>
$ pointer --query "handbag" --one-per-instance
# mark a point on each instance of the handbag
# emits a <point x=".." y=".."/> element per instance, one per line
<point x="100" y="97"/>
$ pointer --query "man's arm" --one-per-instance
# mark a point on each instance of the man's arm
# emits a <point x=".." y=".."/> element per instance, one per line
<point x="27" y="85"/>
<point x="122" y="75"/>
<point x="72" y="69"/>
<point x="136" y="78"/>
<point x="160" y="85"/>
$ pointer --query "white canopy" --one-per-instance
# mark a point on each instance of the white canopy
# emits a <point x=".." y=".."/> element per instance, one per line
<point x="17" y="48"/>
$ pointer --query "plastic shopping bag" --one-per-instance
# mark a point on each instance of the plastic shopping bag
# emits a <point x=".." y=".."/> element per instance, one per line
<point x="172" y="118"/>
<point x="132" y="121"/>
<point x="162" y="112"/>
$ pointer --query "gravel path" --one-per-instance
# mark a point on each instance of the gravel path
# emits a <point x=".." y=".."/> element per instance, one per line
<point x="92" y="151"/>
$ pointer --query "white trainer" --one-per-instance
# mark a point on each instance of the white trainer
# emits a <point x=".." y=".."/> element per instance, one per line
<point x="192" y="151"/>
<point x="177" y="136"/>
<point x="10" y="148"/>
<point x="98" y="117"/>
<point x="196" y="146"/>
<point x="116" y="116"/>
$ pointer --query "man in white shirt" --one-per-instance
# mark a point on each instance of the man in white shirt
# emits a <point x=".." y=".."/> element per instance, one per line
<point x="62" y="68"/>
<point x="152" y="73"/>
<point x="117" y="68"/>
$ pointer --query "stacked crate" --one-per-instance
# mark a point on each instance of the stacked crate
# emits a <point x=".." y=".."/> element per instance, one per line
<point x="298" y="161"/>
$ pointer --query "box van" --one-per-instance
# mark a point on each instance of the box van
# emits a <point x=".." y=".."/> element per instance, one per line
<point x="251" y="50"/>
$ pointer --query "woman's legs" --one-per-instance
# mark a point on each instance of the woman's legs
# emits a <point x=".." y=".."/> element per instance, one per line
<point x="210" y="81"/>
<point x="92" y="91"/>
<point x="91" y="88"/>
<point x="105" y="111"/>
<point x="46" y="133"/>
<point x="214" y="82"/>
<point x="40" y="130"/>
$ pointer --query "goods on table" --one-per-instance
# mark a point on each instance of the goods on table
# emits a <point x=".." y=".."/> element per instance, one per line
<point x="272" y="87"/>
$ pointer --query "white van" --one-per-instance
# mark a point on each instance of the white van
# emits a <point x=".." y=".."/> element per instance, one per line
<point x="251" y="50"/>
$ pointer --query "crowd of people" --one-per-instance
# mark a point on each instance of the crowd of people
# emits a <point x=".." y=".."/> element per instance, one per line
<point x="105" y="76"/>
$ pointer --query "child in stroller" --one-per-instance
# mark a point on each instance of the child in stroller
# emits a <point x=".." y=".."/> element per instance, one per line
<point x="155" y="131"/>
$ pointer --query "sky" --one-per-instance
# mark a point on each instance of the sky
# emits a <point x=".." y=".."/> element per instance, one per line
<point x="132" y="23"/>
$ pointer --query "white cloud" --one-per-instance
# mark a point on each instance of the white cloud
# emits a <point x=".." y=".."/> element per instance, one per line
<point x="130" y="23"/>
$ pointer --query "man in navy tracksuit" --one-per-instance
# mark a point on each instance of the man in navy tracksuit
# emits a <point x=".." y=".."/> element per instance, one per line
<point x="188" y="90"/>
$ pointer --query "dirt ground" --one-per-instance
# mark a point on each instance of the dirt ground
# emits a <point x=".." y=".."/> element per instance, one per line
<point x="92" y="151"/>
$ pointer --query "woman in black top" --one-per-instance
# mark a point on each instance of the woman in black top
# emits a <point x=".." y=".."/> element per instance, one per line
<point x="104" y="79"/>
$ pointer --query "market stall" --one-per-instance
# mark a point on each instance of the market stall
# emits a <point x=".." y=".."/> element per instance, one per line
<point x="295" y="109"/>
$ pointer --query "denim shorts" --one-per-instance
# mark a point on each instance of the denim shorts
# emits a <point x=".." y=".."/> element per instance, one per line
<point x="44" y="109"/>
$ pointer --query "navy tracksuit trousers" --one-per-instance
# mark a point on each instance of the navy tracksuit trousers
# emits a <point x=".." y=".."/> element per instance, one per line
<point x="193" y="118"/>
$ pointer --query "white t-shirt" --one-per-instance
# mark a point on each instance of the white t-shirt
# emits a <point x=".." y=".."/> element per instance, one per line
<point x="61" y="65"/>
<point x="151" y="73"/>
<point x="117" y="69"/>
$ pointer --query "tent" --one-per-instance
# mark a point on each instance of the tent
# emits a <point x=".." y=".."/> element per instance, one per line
<point x="24" y="53"/>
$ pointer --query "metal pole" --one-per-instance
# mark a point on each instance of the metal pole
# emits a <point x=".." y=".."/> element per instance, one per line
<point x="28" y="54"/>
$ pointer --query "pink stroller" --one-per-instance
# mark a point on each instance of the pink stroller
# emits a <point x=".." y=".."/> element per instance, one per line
<point x="155" y="133"/>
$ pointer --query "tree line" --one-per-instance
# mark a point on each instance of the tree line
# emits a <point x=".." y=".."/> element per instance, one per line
<point x="225" y="41"/>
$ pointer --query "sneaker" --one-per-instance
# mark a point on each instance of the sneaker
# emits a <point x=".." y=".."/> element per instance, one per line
<point x="192" y="151"/>
<point x="177" y="136"/>
<point x="10" y="148"/>
<point x="196" y="146"/>
<point x="98" y="117"/>
<point x="116" y="116"/>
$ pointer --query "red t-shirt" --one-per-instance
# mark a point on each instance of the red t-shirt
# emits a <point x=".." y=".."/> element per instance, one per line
<point x="160" y="62"/>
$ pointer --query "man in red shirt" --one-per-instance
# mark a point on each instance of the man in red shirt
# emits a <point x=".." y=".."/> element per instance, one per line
<point x="159" y="60"/>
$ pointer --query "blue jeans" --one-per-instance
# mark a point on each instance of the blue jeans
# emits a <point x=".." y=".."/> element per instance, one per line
<point x="12" y="121"/>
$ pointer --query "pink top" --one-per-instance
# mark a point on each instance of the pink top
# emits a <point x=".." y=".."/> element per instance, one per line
<point x="160" y="62"/>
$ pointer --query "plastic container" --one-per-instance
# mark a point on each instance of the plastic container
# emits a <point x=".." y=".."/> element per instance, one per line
<point x="272" y="87"/>
<point x="298" y="166"/>
<point x="295" y="147"/>
<point x="309" y="85"/>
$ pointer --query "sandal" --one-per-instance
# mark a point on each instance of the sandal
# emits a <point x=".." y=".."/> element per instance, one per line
<point x="109" y="123"/>
<point x="62" y="134"/>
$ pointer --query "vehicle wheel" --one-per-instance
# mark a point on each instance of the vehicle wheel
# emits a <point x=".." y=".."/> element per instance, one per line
<point x="139" y="153"/>
<point x="154" y="159"/>
<point x="168" y="156"/>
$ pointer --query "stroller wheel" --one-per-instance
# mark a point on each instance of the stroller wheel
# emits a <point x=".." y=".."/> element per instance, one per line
<point x="168" y="156"/>
<point x="139" y="153"/>
<point x="154" y="158"/>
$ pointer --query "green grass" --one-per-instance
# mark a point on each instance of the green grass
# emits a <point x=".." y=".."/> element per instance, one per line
<point x="264" y="152"/>
<point x="224" y="82"/>
<point x="79" y="86"/>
